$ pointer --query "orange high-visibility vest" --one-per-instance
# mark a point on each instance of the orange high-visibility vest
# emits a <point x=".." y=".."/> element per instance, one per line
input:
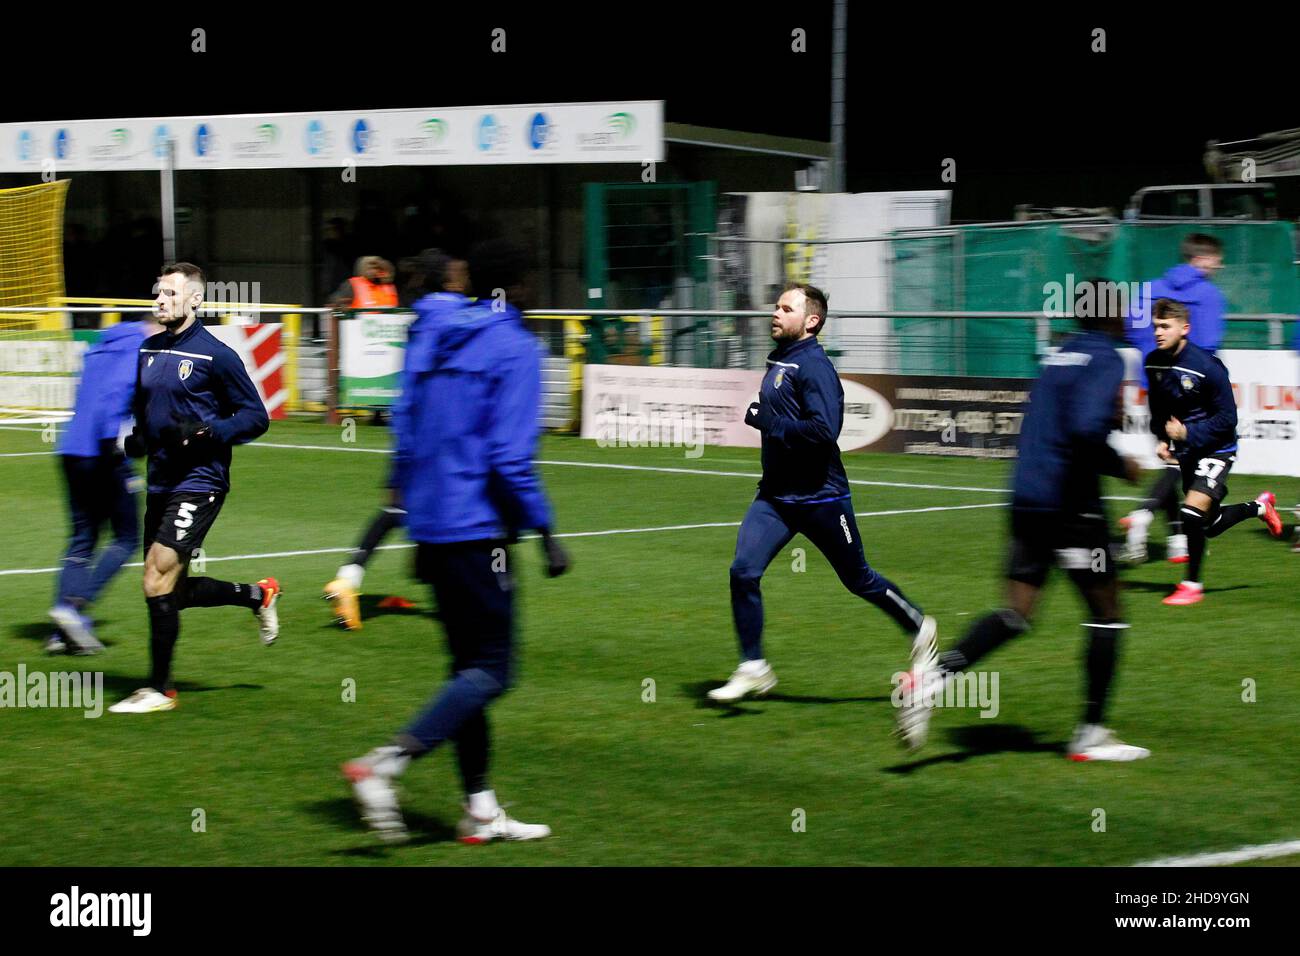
<point x="372" y="295"/>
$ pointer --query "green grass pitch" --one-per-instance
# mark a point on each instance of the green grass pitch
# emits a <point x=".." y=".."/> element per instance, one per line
<point x="260" y="732"/>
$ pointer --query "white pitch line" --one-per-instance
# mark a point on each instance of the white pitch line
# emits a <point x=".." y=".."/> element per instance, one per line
<point x="530" y="537"/>
<point x="26" y="454"/>
<point x="680" y="471"/>
<point x="1263" y="851"/>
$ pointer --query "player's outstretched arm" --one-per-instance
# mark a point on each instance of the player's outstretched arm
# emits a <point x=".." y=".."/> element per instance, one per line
<point x="246" y="418"/>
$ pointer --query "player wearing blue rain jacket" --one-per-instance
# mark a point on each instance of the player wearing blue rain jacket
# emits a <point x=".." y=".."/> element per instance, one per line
<point x="464" y="468"/>
<point x="193" y="401"/>
<point x="447" y="280"/>
<point x="102" y="486"/>
<point x="803" y="490"/>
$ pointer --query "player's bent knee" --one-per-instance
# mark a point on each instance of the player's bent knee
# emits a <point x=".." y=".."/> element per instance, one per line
<point x="745" y="575"/>
<point x="490" y="682"/>
<point x="1193" y="516"/>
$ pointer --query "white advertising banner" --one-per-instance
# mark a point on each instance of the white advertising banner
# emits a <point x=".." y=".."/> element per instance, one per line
<point x="654" y="406"/>
<point x="648" y="406"/>
<point x="1267" y="388"/>
<point x="613" y="132"/>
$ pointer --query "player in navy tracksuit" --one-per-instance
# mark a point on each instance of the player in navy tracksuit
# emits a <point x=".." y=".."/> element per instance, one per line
<point x="1056" y="515"/>
<point x="447" y="282"/>
<point x="193" y="401"/>
<point x="102" y="486"/>
<point x="803" y="490"/>
<point x="1194" y="419"/>
<point x="1191" y="283"/>
<point x="464" y="468"/>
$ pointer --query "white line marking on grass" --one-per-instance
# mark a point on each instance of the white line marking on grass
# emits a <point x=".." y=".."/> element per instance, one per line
<point x="530" y="537"/>
<point x="271" y="444"/>
<point x="1227" y="858"/>
<point x="26" y="454"/>
<point x="686" y="471"/>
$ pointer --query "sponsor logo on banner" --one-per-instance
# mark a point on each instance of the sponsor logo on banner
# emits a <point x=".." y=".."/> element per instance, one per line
<point x="114" y="145"/>
<point x="161" y="134"/>
<point x="490" y="134"/>
<point x="541" y="131"/>
<point x="24" y="145"/>
<point x="613" y="134"/>
<point x="262" y="143"/>
<point x="62" y="144"/>
<point x="205" y="142"/>
<point x="316" y="137"/>
<point x="430" y="139"/>
<point x="362" y="137"/>
<point x="868" y="416"/>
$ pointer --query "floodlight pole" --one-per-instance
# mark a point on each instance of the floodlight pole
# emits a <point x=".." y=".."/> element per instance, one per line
<point x="839" y="39"/>
<point x="169" y="202"/>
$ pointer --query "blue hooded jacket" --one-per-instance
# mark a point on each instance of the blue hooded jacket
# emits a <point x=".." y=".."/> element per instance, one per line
<point x="1205" y="304"/>
<point x="105" y="393"/>
<point x="468" y="429"/>
<point x="429" y="311"/>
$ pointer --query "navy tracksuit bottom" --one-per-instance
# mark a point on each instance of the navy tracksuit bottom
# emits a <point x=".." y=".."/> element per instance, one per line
<point x="830" y="526"/>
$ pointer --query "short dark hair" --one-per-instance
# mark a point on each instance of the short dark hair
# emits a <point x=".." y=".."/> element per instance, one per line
<point x="497" y="264"/>
<point x="815" y="302"/>
<point x="188" y="269"/>
<point x="1172" y="308"/>
<point x="433" y="263"/>
<point x="1102" y="310"/>
<point x="1200" y="244"/>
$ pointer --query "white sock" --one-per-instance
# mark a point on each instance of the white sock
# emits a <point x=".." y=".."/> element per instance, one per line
<point x="352" y="574"/>
<point x="1141" y="517"/>
<point x="483" y="804"/>
<point x="754" y="666"/>
<point x="1194" y="585"/>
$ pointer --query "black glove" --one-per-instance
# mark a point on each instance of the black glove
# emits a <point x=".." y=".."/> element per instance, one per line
<point x="759" y="416"/>
<point x="134" y="445"/>
<point x="557" y="559"/>
<point x="188" y="432"/>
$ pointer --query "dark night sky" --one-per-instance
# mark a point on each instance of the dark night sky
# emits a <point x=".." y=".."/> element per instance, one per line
<point x="1029" y="113"/>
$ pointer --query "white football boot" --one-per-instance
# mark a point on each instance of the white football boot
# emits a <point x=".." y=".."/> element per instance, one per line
<point x="914" y="697"/>
<point x="268" y="618"/>
<point x="1095" y="742"/>
<point x="925" y="646"/>
<point x="76" y="630"/>
<point x="146" y="700"/>
<point x="751" y="679"/>
<point x="372" y="778"/>
<point x="499" y="826"/>
<point x="1135" y="542"/>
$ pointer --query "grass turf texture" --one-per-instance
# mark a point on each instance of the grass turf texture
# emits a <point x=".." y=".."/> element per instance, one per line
<point x="260" y="732"/>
